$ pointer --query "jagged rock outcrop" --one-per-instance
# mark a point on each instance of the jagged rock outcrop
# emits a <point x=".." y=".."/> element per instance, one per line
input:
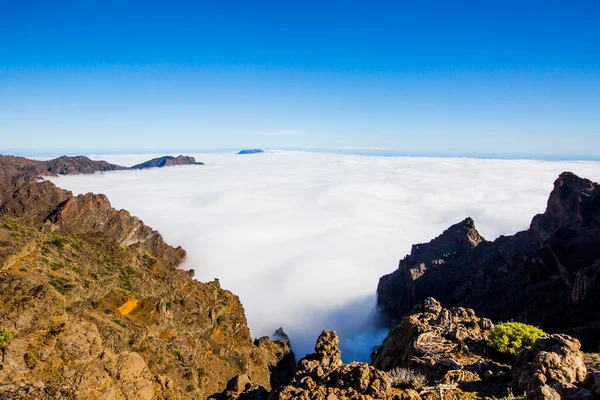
<point x="440" y="343"/>
<point x="552" y="368"/>
<point x="279" y="357"/>
<point x="167" y="161"/>
<point x="44" y="206"/>
<point x="322" y="375"/>
<point x="548" y="275"/>
<point x="424" y="272"/>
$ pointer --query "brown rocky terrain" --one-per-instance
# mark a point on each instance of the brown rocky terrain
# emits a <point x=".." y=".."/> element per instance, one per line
<point x="548" y="275"/>
<point x="92" y="304"/>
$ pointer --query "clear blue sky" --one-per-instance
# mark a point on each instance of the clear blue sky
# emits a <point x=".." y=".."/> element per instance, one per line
<point x="479" y="77"/>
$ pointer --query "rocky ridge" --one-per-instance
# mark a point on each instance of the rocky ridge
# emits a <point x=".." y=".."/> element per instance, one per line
<point x="167" y="161"/>
<point x="92" y="304"/>
<point x="548" y="275"/>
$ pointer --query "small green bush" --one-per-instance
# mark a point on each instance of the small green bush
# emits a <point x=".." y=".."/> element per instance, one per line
<point x="510" y="338"/>
<point x="5" y="338"/>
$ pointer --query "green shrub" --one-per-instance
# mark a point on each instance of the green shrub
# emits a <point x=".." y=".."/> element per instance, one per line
<point x="5" y="338"/>
<point x="510" y="338"/>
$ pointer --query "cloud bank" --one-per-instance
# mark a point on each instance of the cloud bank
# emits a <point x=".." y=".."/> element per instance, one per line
<point x="303" y="238"/>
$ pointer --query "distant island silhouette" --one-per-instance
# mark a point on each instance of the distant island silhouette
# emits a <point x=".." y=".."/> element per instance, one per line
<point x="250" y="151"/>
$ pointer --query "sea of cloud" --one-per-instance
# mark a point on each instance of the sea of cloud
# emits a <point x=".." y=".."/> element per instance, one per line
<point x="303" y="238"/>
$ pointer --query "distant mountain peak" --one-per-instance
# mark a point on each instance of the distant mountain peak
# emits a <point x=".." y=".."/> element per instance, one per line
<point x="167" y="161"/>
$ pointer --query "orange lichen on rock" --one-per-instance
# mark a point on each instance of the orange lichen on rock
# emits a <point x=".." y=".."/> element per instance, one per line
<point x="128" y="306"/>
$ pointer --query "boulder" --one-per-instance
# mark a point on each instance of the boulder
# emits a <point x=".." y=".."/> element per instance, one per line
<point x="554" y="363"/>
<point x="434" y="340"/>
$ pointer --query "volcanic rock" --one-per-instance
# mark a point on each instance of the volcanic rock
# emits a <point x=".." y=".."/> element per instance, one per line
<point x="554" y="363"/>
<point x="548" y="275"/>
<point x="434" y="340"/>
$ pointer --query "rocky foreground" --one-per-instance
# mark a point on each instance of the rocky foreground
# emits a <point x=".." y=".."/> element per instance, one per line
<point x="548" y="275"/>
<point x="435" y="353"/>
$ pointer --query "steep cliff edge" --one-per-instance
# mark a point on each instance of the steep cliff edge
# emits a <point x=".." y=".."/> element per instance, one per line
<point x="548" y="275"/>
<point x="92" y="304"/>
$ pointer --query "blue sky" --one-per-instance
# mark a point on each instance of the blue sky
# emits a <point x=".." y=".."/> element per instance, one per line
<point x="481" y="78"/>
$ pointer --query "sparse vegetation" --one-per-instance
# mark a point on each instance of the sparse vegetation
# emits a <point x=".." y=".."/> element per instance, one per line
<point x="57" y="242"/>
<point x="177" y="354"/>
<point x="11" y="226"/>
<point x="5" y="338"/>
<point x="511" y="396"/>
<point x="191" y="273"/>
<point x="510" y="338"/>
<point x="592" y="361"/>
<point x="406" y="378"/>
<point x="119" y="322"/>
<point x="188" y="374"/>
<point x="62" y="284"/>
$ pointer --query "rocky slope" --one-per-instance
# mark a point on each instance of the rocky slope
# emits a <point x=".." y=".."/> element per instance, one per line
<point x="92" y="305"/>
<point x="548" y="275"/>
<point x="167" y="161"/>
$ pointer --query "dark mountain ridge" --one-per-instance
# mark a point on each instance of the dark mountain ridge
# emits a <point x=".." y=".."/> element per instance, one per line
<point x="548" y="275"/>
<point x="167" y="161"/>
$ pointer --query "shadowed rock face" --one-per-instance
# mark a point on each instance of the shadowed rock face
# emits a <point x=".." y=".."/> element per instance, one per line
<point x="167" y="161"/>
<point x="548" y="275"/>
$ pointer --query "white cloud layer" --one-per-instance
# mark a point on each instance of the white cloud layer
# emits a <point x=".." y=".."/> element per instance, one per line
<point x="303" y="238"/>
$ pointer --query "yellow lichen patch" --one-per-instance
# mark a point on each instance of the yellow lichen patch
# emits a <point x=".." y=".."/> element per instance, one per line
<point x="218" y="333"/>
<point x="128" y="306"/>
<point x="209" y="352"/>
<point x="168" y="334"/>
<point x="231" y="305"/>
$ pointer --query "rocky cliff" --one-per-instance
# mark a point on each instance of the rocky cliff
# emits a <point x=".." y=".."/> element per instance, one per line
<point x="93" y="306"/>
<point x="548" y="275"/>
